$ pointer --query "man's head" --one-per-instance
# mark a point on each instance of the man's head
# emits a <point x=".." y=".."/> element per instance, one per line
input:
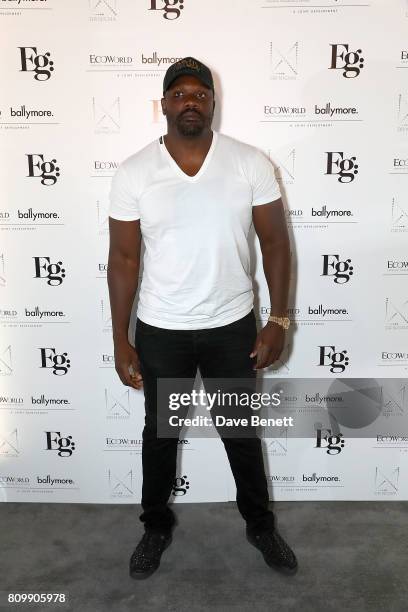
<point x="188" y="97"/>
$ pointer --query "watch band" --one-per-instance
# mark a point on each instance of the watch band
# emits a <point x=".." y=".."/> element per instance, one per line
<point x="282" y="321"/>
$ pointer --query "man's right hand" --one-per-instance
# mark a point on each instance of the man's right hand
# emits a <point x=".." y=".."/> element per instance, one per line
<point x="125" y="358"/>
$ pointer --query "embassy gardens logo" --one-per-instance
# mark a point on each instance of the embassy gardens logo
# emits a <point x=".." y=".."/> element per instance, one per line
<point x="40" y="64"/>
<point x="171" y="9"/>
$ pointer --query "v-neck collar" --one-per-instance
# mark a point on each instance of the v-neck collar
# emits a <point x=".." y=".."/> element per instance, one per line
<point x="177" y="168"/>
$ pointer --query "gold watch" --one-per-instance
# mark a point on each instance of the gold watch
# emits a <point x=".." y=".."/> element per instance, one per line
<point x="282" y="321"/>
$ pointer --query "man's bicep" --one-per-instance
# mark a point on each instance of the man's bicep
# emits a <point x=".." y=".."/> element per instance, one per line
<point x="125" y="238"/>
<point x="270" y="221"/>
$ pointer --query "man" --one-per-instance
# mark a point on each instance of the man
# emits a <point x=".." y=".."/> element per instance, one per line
<point x="192" y="195"/>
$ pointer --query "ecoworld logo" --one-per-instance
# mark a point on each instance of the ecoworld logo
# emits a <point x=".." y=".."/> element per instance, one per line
<point x="6" y="363"/>
<point x="171" y="8"/>
<point x="107" y="361"/>
<point x="157" y="59"/>
<point x="37" y="313"/>
<point x="104" y="168"/>
<point x="58" y="363"/>
<point x="110" y="60"/>
<point x="399" y="165"/>
<point x="106" y="116"/>
<point x="102" y="269"/>
<point x="284" y="111"/>
<point x="180" y="486"/>
<point x="342" y="58"/>
<point x="330" y="214"/>
<point x="8" y="315"/>
<point x="8" y="481"/>
<point x="396" y="314"/>
<point x="47" y="171"/>
<point x="319" y="479"/>
<point x="279" y="479"/>
<point x="284" y="61"/>
<point x="53" y="272"/>
<point x="340" y="270"/>
<point x="64" y="446"/>
<point x="121" y="486"/>
<point x="14" y="401"/>
<point x="294" y="214"/>
<point x="345" y="168"/>
<point x="124" y="443"/>
<point x="9" y="445"/>
<point x="40" y="64"/>
<point x="386" y="481"/>
<point x="403" y="59"/>
<point x="394" y="358"/>
<point x="391" y="441"/>
<point x="398" y="267"/>
<point x="332" y="444"/>
<point x="336" y="361"/>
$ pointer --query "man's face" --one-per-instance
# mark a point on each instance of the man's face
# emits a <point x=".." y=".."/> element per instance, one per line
<point x="188" y="105"/>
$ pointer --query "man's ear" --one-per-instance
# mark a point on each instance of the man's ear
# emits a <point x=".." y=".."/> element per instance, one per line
<point x="163" y="105"/>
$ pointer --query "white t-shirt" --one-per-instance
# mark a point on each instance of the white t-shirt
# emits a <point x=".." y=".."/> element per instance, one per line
<point x="196" y="271"/>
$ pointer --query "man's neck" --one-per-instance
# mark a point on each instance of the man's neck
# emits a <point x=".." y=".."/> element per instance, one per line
<point x="177" y="143"/>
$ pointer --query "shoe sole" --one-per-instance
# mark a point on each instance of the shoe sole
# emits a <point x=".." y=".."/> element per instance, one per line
<point x="289" y="571"/>
<point x="143" y="575"/>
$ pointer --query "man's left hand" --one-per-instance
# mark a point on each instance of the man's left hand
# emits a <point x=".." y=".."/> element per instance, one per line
<point x="268" y="345"/>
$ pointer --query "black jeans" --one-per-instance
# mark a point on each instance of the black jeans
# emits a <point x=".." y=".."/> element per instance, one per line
<point x="218" y="352"/>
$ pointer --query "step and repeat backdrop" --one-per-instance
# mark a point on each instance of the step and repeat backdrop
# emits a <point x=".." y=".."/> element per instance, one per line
<point x="320" y="87"/>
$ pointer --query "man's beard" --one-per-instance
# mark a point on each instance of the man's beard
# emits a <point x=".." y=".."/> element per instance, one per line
<point x="192" y="128"/>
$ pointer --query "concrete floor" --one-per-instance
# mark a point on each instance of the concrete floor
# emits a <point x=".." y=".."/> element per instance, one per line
<point x="352" y="556"/>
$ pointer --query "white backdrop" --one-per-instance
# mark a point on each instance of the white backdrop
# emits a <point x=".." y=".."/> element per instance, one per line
<point x="322" y="88"/>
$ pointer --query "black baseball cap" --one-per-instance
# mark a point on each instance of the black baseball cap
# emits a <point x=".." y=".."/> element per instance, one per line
<point x="191" y="66"/>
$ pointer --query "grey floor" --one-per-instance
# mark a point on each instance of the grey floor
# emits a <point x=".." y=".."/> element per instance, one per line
<point x="352" y="556"/>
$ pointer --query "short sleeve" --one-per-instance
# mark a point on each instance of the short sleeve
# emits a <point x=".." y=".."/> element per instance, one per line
<point x="123" y="203"/>
<point x="265" y="187"/>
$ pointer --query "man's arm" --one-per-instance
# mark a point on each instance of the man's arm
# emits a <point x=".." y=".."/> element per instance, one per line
<point x="270" y="226"/>
<point x="123" y="276"/>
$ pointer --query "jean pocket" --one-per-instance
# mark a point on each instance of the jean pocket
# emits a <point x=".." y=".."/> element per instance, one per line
<point x="146" y="329"/>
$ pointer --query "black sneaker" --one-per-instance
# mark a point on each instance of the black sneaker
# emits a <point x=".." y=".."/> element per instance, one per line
<point x="146" y="557"/>
<point x="276" y="552"/>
